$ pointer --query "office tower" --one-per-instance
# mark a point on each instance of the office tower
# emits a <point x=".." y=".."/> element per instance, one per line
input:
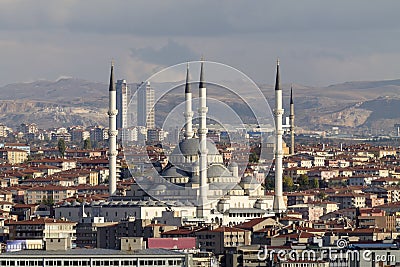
<point x="122" y="104"/>
<point x="145" y="112"/>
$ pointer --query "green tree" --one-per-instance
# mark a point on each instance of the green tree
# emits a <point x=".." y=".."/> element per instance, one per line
<point x="269" y="183"/>
<point x="303" y="182"/>
<point x="253" y="158"/>
<point x="61" y="146"/>
<point x="47" y="201"/>
<point x="322" y="195"/>
<point x="315" y="183"/>
<point x="87" y="144"/>
<point x="288" y="184"/>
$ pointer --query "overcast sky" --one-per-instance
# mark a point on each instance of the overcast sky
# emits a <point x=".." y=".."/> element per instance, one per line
<point x="318" y="42"/>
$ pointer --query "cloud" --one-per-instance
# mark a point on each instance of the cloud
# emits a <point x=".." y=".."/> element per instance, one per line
<point x="169" y="54"/>
<point x="47" y="38"/>
<point x="198" y="18"/>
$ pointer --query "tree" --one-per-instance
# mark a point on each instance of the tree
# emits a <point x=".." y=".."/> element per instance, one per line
<point x="315" y="183"/>
<point x="269" y="183"/>
<point x="288" y="184"/>
<point x="61" y="146"/>
<point x="87" y="144"/>
<point x="303" y="181"/>
<point x="322" y="195"/>
<point x="253" y="158"/>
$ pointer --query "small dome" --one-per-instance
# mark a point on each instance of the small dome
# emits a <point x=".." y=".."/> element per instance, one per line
<point x="142" y="203"/>
<point x="178" y="204"/>
<point x="247" y="180"/>
<point x="160" y="187"/>
<point x="174" y="172"/>
<point x="195" y="179"/>
<point x="151" y="203"/>
<point x="188" y="203"/>
<point x="233" y="164"/>
<point x="237" y="187"/>
<point x="160" y="204"/>
<point x="223" y="201"/>
<point x="217" y="170"/>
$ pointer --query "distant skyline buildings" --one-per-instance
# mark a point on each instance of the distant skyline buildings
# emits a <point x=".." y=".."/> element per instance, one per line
<point x="122" y="103"/>
<point x="145" y="110"/>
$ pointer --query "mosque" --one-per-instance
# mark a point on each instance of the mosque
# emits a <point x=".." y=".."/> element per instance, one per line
<point x="193" y="180"/>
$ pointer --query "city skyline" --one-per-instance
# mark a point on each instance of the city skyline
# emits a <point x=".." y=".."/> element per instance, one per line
<point x="320" y="43"/>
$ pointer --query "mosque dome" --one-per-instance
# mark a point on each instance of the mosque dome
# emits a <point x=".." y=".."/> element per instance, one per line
<point x="233" y="164"/>
<point x="174" y="172"/>
<point x="217" y="170"/>
<point x="247" y="180"/>
<point x="190" y="147"/>
<point x="160" y="187"/>
<point x="195" y="179"/>
<point x="237" y="187"/>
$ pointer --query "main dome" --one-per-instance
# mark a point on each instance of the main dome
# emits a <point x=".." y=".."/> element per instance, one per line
<point x="190" y="147"/>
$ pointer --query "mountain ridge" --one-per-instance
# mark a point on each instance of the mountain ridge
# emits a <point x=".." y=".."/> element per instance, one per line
<point x="70" y="101"/>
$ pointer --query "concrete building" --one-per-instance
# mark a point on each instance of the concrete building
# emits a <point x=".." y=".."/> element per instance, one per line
<point x="348" y="200"/>
<point x="42" y="228"/>
<point x="145" y="112"/>
<point x="13" y="155"/>
<point x="122" y="104"/>
<point x="217" y="240"/>
<point x="54" y="193"/>
<point x="97" y="257"/>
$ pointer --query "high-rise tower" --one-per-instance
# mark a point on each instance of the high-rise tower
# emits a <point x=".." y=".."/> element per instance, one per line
<point x="112" y="139"/>
<point x="279" y="204"/>
<point x="202" y="132"/>
<point x="145" y="113"/>
<point x="122" y="104"/>
<point x="291" y="121"/>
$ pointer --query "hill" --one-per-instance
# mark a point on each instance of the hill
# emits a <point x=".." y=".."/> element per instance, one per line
<point x="66" y="102"/>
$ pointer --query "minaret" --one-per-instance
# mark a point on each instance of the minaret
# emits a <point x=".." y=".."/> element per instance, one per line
<point x="188" y="107"/>
<point x="202" y="132"/>
<point x="279" y="205"/>
<point x="112" y="132"/>
<point x="291" y="121"/>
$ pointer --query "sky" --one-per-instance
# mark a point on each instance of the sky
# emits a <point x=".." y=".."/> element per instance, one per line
<point x="318" y="42"/>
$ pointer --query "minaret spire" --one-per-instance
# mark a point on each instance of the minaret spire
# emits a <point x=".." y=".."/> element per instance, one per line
<point x="188" y="107"/>
<point x="201" y="83"/>
<point x="277" y="79"/>
<point x="112" y="84"/>
<point x="291" y="121"/>
<point x="279" y="204"/>
<point x="112" y="133"/>
<point x="201" y="209"/>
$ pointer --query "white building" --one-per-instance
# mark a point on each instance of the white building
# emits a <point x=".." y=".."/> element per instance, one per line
<point x="122" y="104"/>
<point x="145" y="112"/>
